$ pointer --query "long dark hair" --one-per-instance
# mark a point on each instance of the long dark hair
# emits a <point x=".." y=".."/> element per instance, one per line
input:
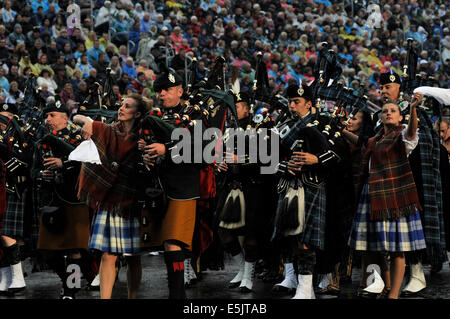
<point x="367" y="128"/>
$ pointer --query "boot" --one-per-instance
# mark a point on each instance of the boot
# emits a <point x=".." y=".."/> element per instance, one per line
<point x="95" y="284"/>
<point x="5" y="279"/>
<point x="416" y="283"/>
<point x="305" y="287"/>
<point x="289" y="284"/>
<point x="17" y="280"/>
<point x="189" y="274"/>
<point x="175" y="271"/>
<point x="236" y="281"/>
<point x="247" y="277"/>
<point x="374" y="289"/>
<point x="325" y="281"/>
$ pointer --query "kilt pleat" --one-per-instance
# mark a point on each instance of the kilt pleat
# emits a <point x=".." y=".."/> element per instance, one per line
<point x="115" y="234"/>
<point x="313" y="234"/>
<point x="14" y="216"/>
<point x="404" y="234"/>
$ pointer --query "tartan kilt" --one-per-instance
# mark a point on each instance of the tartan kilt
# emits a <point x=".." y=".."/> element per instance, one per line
<point x="115" y="234"/>
<point x="14" y="219"/>
<point x="404" y="234"/>
<point x="313" y="234"/>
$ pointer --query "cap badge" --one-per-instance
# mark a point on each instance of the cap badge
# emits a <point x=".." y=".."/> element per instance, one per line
<point x="392" y="78"/>
<point x="5" y="107"/>
<point x="238" y="97"/>
<point x="171" y="78"/>
<point x="300" y="91"/>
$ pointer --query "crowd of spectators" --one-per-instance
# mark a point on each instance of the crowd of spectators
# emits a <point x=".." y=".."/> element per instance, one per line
<point x="69" y="44"/>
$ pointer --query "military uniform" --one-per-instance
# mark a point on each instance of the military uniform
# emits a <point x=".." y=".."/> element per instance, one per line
<point x="17" y="221"/>
<point x="64" y="222"/>
<point x="300" y="217"/>
<point x="182" y="185"/>
<point x="73" y="232"/>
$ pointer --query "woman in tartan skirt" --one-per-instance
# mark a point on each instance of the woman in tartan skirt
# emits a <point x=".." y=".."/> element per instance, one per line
<point x="388" y="217"/>
<point x="111" y="190"/>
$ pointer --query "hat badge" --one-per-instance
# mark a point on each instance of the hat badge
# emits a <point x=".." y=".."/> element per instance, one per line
<point x="238" y="97"/>
<point x="171" y="78"/>
<point x="58" y="104"/>
<point x="300" y="91"/>
<point x="392" y="78"/>
<point x="5" y="107"/>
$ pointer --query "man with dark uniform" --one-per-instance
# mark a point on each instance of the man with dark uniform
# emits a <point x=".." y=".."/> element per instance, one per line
<point x="64" y="221"/>
<point x="181" y="182"/>
<point x="17" y="208"/>
<point x="300" y="219"/>
<point x="239" y="225"/>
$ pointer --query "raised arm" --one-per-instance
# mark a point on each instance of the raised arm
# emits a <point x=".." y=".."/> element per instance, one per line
<point x="413" y="123"/>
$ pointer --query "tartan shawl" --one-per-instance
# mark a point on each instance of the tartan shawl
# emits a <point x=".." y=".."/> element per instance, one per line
<point x="102" y="186"/>
<point x="433" y="219"/>
<point x="392" y="190"/>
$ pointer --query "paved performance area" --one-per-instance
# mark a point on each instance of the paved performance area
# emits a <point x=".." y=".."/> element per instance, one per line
<point x="214" y="284"/>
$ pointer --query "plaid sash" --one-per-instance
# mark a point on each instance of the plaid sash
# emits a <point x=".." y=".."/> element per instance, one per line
<point x="393" y="192"/>
<point x="112" y="185"/>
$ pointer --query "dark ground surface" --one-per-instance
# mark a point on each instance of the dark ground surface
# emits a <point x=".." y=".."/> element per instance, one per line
<point x="214" y="284"/>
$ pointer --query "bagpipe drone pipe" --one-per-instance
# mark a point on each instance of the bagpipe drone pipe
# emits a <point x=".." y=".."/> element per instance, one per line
<point x="110" y="100"/>
<point x="411" y="79"/>
<point x="262" y="113"/>
<point x="30" y="112"/>
<point x="327" y="88"/>
<point x="204" y="101"/>
<point x="15" y="154"/>
<point x="97" y="104"/>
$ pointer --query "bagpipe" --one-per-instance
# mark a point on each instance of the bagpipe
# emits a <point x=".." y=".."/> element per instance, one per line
<point x="64" y="185"/>
<point x="21" y="135"/>
<point x="153" y="197"/>
<point x="15" y="151"/>
<point x="110" y="100"/>
<point x="97" y="103"/>
<point x="263" y="113"/>
<point x="326" y="88"/>
<point x="30" y="112"/>
<point x="204" y="101"/>
<point x="324" y="127"/>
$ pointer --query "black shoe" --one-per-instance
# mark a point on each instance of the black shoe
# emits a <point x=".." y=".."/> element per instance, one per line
<point x="361" y="293"/>
<point x="245" y="290"/>
<point x="436" y="268"/>
<point x="384" y="294"/>
<point x="234" y="285"/>
<point x="283" y="289"/>
<point x="92" y="288"/>
<point x="328" y="290"/>
<point x="410" y="294"/>
<point x="15" y="291"/>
